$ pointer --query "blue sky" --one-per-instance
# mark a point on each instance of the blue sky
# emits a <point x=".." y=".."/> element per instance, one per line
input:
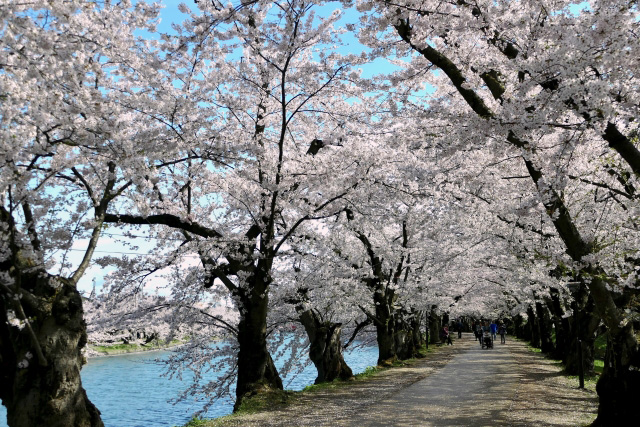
<point x="170" y="14"/>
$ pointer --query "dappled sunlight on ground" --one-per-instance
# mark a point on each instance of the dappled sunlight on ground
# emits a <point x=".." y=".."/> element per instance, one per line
<point x="474" y="389"/>
<point x="461" y="385"/>
<point x="547" y="398"/>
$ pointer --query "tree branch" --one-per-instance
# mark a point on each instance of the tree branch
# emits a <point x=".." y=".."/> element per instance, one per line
<point x="623" y="146"/>
<point x="356" y="331"/>
<point x="163" y="219"/>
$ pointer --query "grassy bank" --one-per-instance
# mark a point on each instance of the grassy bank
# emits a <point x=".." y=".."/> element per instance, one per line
<point x="116" y="349"/>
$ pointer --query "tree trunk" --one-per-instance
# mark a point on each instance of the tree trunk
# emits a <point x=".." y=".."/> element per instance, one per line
<point x="256" y="370"/>
<point x="434" y="326"/>
<point x="619" y="384"/>
<point x="416" y="322"/>
<point x="545" y="324"/>
<point x="519" y="329"/>
<point x="407" y="335"/>
<point x="325" y="350"/>
<point x="403" y="339"/>
<point x="534" y="328"/>
<point x="584" y="324"/>
<point x="445" y="319"/>
<point x="561" y="323"/>
<point x="385" y="327"/>
<point x="40" y="378"/>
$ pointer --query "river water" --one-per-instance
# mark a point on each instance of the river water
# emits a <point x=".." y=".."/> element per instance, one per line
<point x="130" y="391"/>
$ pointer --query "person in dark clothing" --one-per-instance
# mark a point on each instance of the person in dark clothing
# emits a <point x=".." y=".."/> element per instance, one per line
<point x="502" y="331"/>
<point x="459" y="326"/>
<point x="445" y="336"/>
<point x="479" y="332"/>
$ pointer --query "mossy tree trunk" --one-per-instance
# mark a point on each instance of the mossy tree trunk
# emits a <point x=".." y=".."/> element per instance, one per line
<point x="408" y="336"/>
<point x="42" y="329"/>
<point x="40" y="382"/>
<point x="619" y="385"/>
<point x="416" y="323"/>
<point x="325" y="349"/>
<point x="382" y="284"/>
<point x="434" y="325"/>
<point x="385" y="325"/>
<point x="256" y="371"/>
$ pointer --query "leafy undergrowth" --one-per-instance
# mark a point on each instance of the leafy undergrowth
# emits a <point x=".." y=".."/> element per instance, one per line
<point x="277" y="399"/>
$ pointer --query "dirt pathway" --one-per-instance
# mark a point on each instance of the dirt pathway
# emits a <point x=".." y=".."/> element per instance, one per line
<point x="461" y="385"/>
<point x="473" y="389"/>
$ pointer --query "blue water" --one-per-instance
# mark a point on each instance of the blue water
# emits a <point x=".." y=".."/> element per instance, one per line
<point x="130" y="391"/>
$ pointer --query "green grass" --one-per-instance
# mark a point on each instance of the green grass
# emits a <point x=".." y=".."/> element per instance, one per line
<point x="589" y="381"/>
<point x="600" y="345"/>
<point x="368" y="372"/>
<point x="598" y="366"/>
<point x="265" y="401"/>
<point x="196" y="422"/>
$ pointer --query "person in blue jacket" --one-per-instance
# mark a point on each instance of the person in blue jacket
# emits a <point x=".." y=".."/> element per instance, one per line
<point x="494" y="330"/>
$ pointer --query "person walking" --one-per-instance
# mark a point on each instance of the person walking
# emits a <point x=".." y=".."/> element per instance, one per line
<point x="485" y="334"/>
<point x="494" y="330"/>
<point x="459" y="326"/>
<point x="445" y="336"/>
<point x="502" y="331"/>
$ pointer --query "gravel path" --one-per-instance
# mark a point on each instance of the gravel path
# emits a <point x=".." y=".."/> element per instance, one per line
<point x="460" y="385"/>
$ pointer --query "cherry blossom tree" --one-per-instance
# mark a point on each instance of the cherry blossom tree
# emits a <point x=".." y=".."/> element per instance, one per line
<point x="521" y="77"/>
<point x="64" y="145"/>
<point x="262" y="127"/>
